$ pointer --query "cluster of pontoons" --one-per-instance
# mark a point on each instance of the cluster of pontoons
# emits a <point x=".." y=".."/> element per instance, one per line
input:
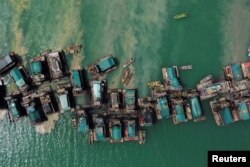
<point x="116" y="115"/>
<point x="231" y="101"/>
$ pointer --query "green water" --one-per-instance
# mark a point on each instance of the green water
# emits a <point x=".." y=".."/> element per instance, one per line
<point x="216" y="33"/>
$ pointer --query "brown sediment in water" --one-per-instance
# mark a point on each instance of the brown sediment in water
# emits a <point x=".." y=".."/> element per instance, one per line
<point x="116" y="79"/>
<point x="69" y="27"/>
<point x="77" y="61"/>
<point x="3" y="113"/>
<point x="236" y="32"/>
<point x="49" y="125"/>
<point x="19" y="6"/>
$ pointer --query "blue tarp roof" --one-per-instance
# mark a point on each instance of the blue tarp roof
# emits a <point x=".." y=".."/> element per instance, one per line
<point x="164" y="108"/>
<point x="173" y="78"/>
<point x="64" y="102"/>
<point x="13" y="109"/>
<point x="131" y="130"/>
<point x="196" y="108"/>
<point x="244" y="113"/>
<point x="33" y="114"/>
<point x="17" y="76"/>
<point x="106" y="64"/>
<point x="97" y="89"/>
<point x="36" y="67"/>
<point x="180" y="114"/>
<point x="237" y="72"/>
<point x="100" y="133"/>
<point x="116" y="132"/>
<point x="83" y="126"/>
<point x="130" y="96"/>
<point x="76" y="78"/>
<point x="227" y="116"/>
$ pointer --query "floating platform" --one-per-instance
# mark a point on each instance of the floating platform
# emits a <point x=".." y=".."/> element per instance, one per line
<point x="97" y="90"/>
<point x="39" y="70"/>
<point x="102" y="66"/>
<point x="56" y="63"/>
<point x="115" y="131"/>
<point x="130" y="130"/>
<point x="77" y="82"/>
<point x="162" y="108"/>
<point x="99" y="131"/>
<point x="171" y="78"/>
<point x="115" y="99"/>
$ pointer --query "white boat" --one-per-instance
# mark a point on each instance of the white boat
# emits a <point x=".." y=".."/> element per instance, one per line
<point x="186" y="67"/>
<point x="207" y="78"/>
<point x="131" y="60"/>
<point x="248" y="51"/>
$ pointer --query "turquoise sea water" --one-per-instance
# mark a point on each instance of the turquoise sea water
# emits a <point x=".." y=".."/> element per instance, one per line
<point x="216" y="33"/>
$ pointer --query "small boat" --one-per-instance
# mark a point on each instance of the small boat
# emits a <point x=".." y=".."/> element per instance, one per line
<point x="181" y="15"/>
<point x="73" y="120"/>
<point x="91" y="137"/>
<point x="74" y="49"/>
<point x="207" y="78"/>
<point x="248" y="51"/>
<point x="131" y="60"/>
<point x="142" y="137"/>
<point x="186" y="67"/>
<point x="126" y="77"/>
<point x="154" y="84"/>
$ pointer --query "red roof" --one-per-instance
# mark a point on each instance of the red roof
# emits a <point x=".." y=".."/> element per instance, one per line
<point x="247" y="64"/>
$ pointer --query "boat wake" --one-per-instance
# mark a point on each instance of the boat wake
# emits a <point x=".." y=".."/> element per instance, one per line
<point x="49" y="125"/>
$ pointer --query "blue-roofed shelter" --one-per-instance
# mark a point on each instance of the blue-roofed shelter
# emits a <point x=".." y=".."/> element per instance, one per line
<point x="76" y="77"/>
<point x="64" y="102"/>
<point x="131" y="130"/>
<point x="100" y="133"/>
<point x="163" y="106"/>
<point x="97" y="89"/>
<point x="195" y="107"/>
<point x="237" y="72"/>
<point x="244" y="113"/>
<point x="106" y="64"/>
<point x="83" y="126"/>
<point x="18" y="77"/>
<point x="173" y="78"/>
<point x="130" y="98"/>
<point x="227" y="116"/>
<point x="36" y="67"/>
<point x="13" y="108"/>
<point x="116" y="132"/>
<point x="34" y="115"/>
<point x="180" y="114"/>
